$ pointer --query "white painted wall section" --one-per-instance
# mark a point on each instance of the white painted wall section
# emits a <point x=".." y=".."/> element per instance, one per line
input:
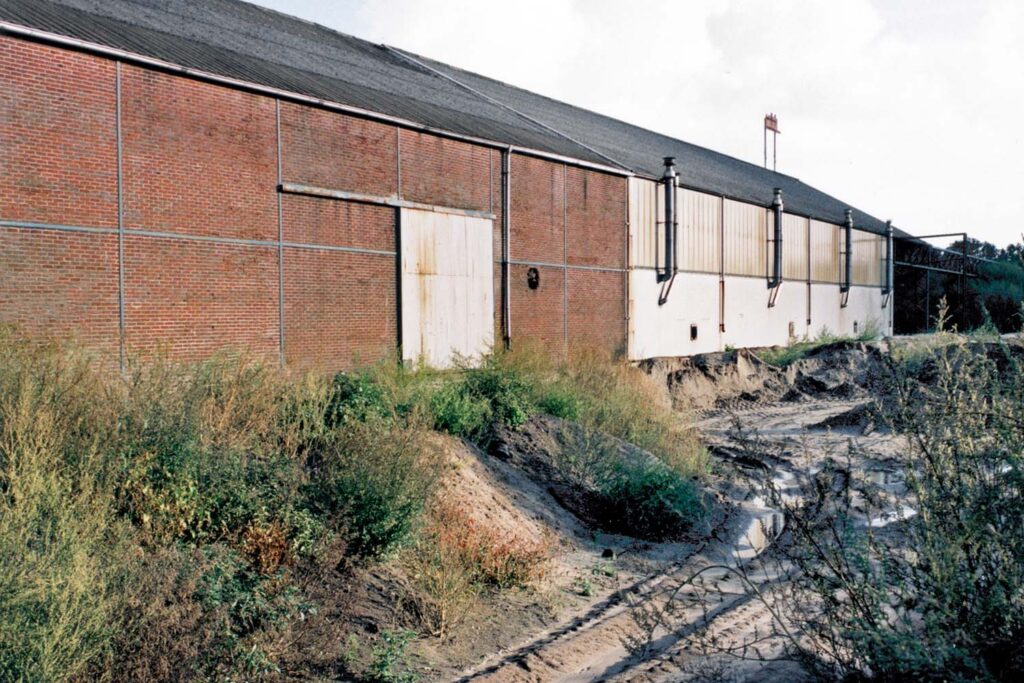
<point x="447" y="286"/>
<point x="665" y="330"/>
<point x="749" y="321"/>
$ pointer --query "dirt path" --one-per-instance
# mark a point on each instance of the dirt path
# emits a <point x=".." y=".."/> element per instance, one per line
<point x="592" y="647"/>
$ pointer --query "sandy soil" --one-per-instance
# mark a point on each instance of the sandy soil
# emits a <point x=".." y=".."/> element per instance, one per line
<point x="761" y="423"/>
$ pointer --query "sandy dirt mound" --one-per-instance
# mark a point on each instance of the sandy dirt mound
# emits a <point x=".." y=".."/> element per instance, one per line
<point x="495" y="500"/>
<point x="843" y="370"/>
<point x="705" y="381"/>
<point x="517" y="491"/>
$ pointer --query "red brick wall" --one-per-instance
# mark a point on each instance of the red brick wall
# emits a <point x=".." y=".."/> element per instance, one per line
<point x="189" y="298"/>
<point x="537" y="210"/>
<point x="596" y="218"/>
<point x="328" y="149"/>
<point x="597" y="310"/>
<point x="198" y="158"/>
<point x="202" y="160"/>
<point x="310" y="220"/>
<point x="58" y="157"/>
<point x="340" y="308"/>
<point x="445" y="172"/>
<point x="590" y="218"/>
<point x="538" y="314"/>
<point x="61" y="283"/>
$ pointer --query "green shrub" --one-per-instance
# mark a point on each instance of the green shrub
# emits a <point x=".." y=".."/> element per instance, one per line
<point x="357" y="396"/>
<point x="388" y="664"/>
<point x="651" y="501"/>
<point x="373" y="481"/>
<point x="199" y="614"/>
<point x="458" y="412"/>
<point x="639" y="494"/>
<point x="503" y="386"/>
<point x="560" y="402"/>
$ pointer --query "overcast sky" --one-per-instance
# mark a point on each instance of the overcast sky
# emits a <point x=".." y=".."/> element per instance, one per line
<point x="912" y="110"/>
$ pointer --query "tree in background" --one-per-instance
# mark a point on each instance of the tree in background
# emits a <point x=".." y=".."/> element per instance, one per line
<point x="994" y="296"/>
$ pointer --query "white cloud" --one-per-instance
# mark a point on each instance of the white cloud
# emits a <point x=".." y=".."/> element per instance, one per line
<point x="910" y="110"/>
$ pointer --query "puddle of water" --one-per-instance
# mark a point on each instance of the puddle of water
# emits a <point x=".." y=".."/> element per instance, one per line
<point x="764" y="527"/>
<point x="890" y="516"/>
<point x="885" y="479"/>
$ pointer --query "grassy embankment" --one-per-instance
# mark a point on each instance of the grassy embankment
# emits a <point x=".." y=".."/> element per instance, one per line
<point x="170" y="524"/>
<point x="782" y="356"/>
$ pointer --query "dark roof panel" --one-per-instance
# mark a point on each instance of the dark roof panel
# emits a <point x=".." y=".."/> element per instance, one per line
<point x="260" y="46"/>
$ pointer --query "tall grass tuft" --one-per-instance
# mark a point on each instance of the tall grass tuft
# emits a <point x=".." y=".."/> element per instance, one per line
<point x="60" y="549"/>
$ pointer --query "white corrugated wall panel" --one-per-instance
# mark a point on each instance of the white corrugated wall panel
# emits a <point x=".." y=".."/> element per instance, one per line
<point x="825" y="248"/>
<point x="746" y="240"/>
<point x="646" y="241"/>
<point x="794" y="247"/>
<point x="699" y="243"/>
<point x="868" y="258"/>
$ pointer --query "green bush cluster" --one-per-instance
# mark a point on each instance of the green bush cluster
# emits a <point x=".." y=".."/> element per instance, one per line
<point x="638" y="494"/>
<point x="153" y="523"/>
<point x="655" y="499"/>
<point x="651" y="500"/>
<point x="100" y="475"/>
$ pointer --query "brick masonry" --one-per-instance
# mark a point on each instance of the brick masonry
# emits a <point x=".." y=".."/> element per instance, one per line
<point x="61" y="283"/>
<point x="198" y="159"/>
<point x="188" y="298"/>
<point x="325" y="149"/>
<point x="58" y="153"/>
<point x="202" y="164"/>
<point x="340" y="309"/>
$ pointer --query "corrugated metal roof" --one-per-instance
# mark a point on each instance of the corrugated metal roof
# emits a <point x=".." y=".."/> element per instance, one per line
<point x="242" y="41"/>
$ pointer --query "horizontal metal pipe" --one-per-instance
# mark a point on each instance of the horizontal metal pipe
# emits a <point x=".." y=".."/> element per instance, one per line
<point x="391" y="200"/>
<point x="159" y="234"/>
<point x="569" y="266"/>
<point x="198" y="74"/>
<point x="934" y="269"/>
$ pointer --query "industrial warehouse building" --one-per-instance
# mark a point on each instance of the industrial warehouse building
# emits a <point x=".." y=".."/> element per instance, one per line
<point x="190" y="175"/>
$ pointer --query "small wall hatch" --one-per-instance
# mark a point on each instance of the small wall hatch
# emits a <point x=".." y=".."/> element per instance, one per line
<point x="533" y="278"/>
<point x="693" y="333"/>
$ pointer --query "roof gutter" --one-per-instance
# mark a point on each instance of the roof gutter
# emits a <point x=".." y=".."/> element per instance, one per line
<point x="56" y="39"/>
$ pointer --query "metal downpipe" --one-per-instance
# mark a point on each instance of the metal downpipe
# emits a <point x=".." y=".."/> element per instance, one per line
<point x="888" y="259"/>
<point x="848" y="262"/>
<point x="844" y="288"/>
<point x="506" y="224"/>
<point x="668" y="180"/>
<point x="777" y="206"/>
